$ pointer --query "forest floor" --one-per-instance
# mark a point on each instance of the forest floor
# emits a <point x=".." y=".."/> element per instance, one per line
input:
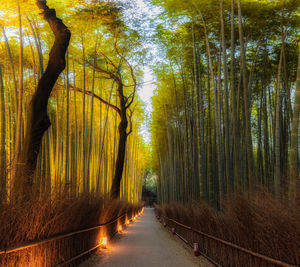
<point x="145" y="243"/>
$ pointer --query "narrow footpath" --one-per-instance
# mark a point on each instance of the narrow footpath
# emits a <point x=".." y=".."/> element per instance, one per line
<point x="145" y="243"/>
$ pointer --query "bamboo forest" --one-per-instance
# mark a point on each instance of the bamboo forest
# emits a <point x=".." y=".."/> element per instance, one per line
<point x="187" y="111"/>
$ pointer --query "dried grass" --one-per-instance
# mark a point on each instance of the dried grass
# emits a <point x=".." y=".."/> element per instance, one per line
<point x="259" y="223"/>
<point x="46" y="217"/>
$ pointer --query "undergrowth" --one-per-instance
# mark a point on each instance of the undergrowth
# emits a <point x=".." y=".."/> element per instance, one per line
<point x="259" y="223"/>
<point x="45" y="217"/>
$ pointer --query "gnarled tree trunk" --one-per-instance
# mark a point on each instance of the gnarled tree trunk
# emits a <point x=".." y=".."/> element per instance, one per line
<point x="38" y="121"/>
<point x="115" y="188"/>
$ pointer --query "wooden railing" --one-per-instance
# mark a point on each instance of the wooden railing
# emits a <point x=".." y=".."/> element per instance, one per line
<point x="48" y="251"/>
<point x="218" y="251"/>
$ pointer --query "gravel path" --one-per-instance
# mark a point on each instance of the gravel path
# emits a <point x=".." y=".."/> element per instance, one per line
<point x="145" y="243"/>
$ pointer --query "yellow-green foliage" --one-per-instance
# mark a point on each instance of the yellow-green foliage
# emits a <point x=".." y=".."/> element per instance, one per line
<point x="60" y="167"/>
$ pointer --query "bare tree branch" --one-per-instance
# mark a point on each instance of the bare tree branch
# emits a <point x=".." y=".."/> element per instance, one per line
<point x="90" y="93"/>
<point x="132" y="95"/>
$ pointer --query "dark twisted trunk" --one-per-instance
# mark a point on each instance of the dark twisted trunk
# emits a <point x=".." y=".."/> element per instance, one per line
<point x="115" y="188"/>
<point x="38" y="121"/>
<point x="125" y="103"/>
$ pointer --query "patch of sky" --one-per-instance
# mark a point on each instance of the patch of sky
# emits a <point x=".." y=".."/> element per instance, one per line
<point x="142" y="16"/>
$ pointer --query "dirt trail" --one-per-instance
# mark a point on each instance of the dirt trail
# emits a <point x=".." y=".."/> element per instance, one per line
<point x="145" y="244"/>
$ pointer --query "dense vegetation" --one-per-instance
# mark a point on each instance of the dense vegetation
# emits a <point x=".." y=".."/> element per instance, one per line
<point x="225" y="122"/>
<point x="70" y="119"/>
<point x="225" y="126"/>
<point x="227" y="89"/>
<point x="79" y="151"/>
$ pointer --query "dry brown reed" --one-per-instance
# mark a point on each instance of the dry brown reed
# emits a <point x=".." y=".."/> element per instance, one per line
<point x="258" y="222"/>
<point x="47" y="216"/>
